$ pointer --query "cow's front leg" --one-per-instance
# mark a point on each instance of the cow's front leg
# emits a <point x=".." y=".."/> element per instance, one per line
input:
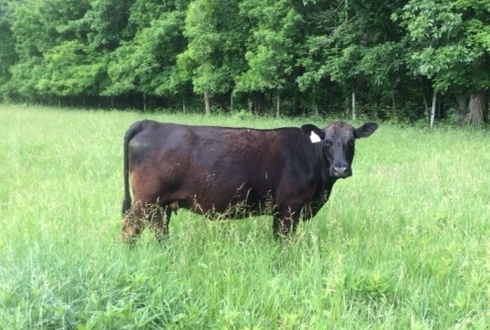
<point x="285" y="221"/>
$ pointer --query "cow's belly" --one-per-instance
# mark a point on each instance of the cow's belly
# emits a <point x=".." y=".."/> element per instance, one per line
<point x="242" y="203"/>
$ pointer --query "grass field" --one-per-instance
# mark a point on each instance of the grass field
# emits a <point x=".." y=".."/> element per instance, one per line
<point x="402" y="244"/>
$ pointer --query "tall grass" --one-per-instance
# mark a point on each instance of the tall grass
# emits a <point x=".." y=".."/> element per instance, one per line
<point x="403" y="244"/>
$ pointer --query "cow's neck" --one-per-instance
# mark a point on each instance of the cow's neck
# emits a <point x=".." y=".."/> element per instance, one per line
<point x="323" y="167"/>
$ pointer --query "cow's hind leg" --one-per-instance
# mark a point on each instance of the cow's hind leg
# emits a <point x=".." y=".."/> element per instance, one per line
<point x="132" y="224"/>
<point x="159" y="221"/>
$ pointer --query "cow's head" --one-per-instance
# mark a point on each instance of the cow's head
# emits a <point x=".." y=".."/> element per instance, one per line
<point x="337" y="144"/>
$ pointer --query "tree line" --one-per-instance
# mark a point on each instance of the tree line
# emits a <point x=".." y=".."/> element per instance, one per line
<point x="407" y="59"/>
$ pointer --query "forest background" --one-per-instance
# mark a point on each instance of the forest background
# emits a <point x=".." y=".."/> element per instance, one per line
<point x="386" y="59"/>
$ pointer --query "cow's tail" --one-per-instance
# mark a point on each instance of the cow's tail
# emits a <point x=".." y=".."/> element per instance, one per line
<point x="130" y="133"/>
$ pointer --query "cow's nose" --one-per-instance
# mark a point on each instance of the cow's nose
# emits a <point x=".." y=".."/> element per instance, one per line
<point x="341" y="171"/>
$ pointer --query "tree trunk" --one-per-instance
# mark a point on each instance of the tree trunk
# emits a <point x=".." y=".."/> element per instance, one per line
<point x="477" y="109"/>
<point x="393" y="101"/>
<point x="426" y="105"/>
<point x="353" y="105"/>
<point x="316" y="112"/>
<point x="206" y="103"/>
<point x="259" y="102"/>
<point x="347" y="105"/>
<point x="278" y="112"/>
<point x="433" y="110"/>
<point x="461" y="110"/>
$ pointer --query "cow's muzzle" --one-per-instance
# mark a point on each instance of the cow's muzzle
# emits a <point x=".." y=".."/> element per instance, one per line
<point x="341" y="171"/>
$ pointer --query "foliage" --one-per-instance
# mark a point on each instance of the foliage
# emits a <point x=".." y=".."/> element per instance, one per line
<point x="271" y="49"/>
<point x="309" y="55"/>
<point x="146" y="64"/>
<point x="212" y="40"/>
<point x="448" y="45"/>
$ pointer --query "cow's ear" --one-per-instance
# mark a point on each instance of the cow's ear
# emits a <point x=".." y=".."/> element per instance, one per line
<point x="365" y="130"/>
<point x="314" y="133"/>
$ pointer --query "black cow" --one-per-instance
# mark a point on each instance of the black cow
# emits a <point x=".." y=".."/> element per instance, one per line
<point x="232" y="172"/>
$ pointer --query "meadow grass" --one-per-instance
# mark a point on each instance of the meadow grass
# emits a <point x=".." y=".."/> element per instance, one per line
<point x="402" y="244"/>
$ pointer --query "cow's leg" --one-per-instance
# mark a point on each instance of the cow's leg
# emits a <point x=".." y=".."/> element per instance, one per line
<point x="282" y="227"/>
<point x="160" y="221"/>
<point x="132" y="224"/>
<point x="285" y="221"/>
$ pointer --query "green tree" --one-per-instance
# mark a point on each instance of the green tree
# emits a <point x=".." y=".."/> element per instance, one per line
<point x="146" y="64"/>
<point x="271" y="49"/>
<point x="354" y="44"/>
<point x="447" y="43"/>
<point x="71" y="68"/>
<point x="34" y="34"/>
<point x="106" y="22"/>
<point x="8" y="57"/>
<point x="212" y="57"/>
<point x="52" y="45"/>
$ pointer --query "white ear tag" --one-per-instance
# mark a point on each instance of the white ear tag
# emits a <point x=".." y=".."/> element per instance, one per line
<point x="314" y="137"/>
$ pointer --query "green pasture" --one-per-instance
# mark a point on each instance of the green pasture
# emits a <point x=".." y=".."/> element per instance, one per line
<point x="402" y="244"/>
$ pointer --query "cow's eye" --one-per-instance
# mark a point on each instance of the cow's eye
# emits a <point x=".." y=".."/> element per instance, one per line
<point x="328" y="144"/>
